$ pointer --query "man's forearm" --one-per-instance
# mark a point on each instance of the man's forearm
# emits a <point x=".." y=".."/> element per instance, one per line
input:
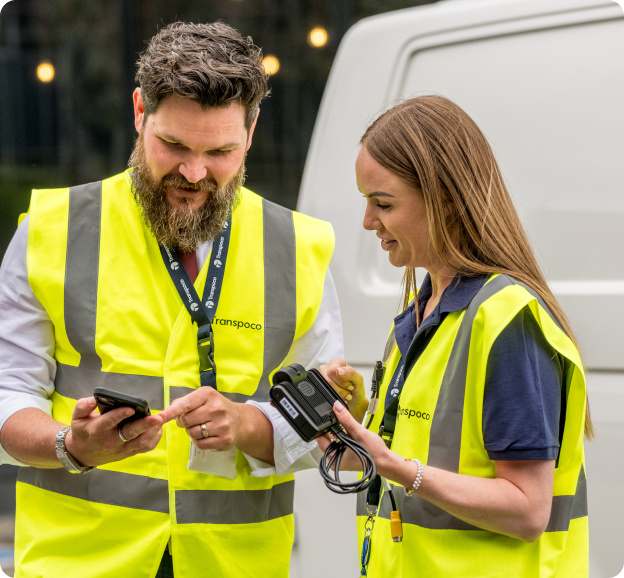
<point x="29" y="436"/>
<point x="255" y="437"/>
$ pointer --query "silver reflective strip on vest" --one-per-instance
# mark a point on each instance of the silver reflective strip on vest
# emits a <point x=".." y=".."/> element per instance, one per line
<point x="176" y="392"/>
<point x="389" y="345"/>
<point x="417" y="511"/>
<point x="81" y="271"/>
<point x="566" y="508"/>
<point x="280" y="291"/>
<point x="235" y="507"/>
<point x="151" y="494"/>
<point x="103" y="487"/>
<point x="446" y="425"/>
<point x="77" y="382"/>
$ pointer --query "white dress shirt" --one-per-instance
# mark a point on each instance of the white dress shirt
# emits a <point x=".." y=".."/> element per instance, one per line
<point x="28" y="367"/>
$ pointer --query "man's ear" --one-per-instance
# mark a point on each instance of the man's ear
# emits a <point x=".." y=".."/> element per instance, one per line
<point x="251" y="130"/>
<point x="139" y="111"/>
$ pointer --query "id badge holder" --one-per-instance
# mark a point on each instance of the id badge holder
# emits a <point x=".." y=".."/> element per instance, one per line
<point x="213" y="462"/>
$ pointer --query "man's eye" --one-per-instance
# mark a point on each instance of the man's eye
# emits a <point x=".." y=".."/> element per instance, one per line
<point x="171" y="145"/>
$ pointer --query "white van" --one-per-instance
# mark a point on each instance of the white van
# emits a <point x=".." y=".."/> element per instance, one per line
<point x="544" y="80"/>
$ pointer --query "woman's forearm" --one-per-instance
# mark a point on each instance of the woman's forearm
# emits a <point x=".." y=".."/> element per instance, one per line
<point x="516" y="503"/>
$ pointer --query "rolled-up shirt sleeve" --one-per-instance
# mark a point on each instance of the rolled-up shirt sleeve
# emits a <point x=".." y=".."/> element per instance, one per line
<point x="322" y="342"/>
<point x="27" y="365"/>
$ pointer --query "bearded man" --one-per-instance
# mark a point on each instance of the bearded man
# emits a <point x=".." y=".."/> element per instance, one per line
<point x="93" y="294"/>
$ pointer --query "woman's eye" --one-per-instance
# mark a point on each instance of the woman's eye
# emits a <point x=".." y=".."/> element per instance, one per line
<point x="383" y="207"/>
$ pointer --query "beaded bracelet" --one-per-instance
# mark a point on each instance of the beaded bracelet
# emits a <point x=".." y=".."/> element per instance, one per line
<point x="419" y="476"/>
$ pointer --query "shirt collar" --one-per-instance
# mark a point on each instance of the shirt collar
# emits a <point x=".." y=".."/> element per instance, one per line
<point x="457" y="296"/>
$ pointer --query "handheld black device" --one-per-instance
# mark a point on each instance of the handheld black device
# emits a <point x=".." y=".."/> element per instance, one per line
<point x="108" y="399"/>
<point x="306" y="400"/>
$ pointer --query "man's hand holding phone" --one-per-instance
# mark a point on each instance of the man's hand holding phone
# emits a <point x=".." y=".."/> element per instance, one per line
<point x="97" y="438"/>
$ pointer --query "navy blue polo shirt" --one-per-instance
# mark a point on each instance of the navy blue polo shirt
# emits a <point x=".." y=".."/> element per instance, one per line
<point x="524" y="376"/>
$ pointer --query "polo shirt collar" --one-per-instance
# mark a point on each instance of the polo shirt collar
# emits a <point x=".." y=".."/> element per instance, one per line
<point x="457" y="296"/>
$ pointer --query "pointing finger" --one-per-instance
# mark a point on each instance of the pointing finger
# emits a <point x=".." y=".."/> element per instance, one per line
<point x="185" y="404"/>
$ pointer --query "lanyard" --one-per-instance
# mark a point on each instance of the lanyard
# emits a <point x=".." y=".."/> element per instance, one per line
<point x="202" y="311"/>
<point x="396" y="384"/>
<point x="388" y="423"/>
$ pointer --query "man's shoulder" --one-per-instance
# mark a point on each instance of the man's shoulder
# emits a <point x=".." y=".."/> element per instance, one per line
<point x="254" y="201"/>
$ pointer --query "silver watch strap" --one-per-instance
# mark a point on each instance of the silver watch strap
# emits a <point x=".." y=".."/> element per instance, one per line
<point x="67" y="460"/>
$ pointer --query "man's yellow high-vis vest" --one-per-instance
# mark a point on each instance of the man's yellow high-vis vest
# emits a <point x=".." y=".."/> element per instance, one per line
<point x="120" y="323"/>
<point x="446" y="385"/>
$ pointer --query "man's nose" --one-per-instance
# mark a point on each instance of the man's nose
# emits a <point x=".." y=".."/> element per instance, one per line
<point x="193" y="170"/>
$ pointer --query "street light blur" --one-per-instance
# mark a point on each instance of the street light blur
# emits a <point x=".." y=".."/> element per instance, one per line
<point x="317" y="37"/>
<point x="271" y="64"/>
<point x="45" y="72"/>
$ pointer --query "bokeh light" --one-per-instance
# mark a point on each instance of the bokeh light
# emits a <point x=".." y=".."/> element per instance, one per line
<point x="317" y="37"/>
<point x="271" y="64"/>
<point x="45" y="72"/>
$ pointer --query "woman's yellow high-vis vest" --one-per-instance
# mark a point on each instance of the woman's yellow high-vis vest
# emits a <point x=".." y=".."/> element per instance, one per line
<point x="120" y="323"/>
<point x="445" y="388"/>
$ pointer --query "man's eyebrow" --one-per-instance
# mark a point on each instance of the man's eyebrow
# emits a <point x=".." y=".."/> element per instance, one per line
<point x="171" y="138"/>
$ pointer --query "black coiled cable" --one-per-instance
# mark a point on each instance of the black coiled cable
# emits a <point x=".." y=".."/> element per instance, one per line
<point x="332" y="458"/>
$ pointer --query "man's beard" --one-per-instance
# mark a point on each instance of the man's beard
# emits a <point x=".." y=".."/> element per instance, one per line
<point x="181" y="227"/>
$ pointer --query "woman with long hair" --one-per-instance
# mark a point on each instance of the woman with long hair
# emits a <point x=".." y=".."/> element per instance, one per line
<point x="480" y="416"/>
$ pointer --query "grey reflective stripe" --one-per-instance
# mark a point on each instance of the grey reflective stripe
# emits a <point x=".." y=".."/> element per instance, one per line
<point x="389" y="345"/>
<point x="566" y="508"/>
<point x="235" y="507"/>
<point x="81" y="271"/>
<point x="414" y="510"/>
<point x="77" y="382"/>
<point x="176" y="392"/>
<point x="446" y="425"/>
<point x="103" y="487"/>
<point x="579" y="505"/>
<point x="280" y="290"/>
<point x="417" y="511"/>
<point x="151" y="494"/>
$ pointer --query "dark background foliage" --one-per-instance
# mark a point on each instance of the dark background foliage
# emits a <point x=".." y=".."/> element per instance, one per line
<point x="79" y="127"/>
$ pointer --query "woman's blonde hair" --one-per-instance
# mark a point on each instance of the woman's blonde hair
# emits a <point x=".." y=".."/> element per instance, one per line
<point x="431" y="144"/>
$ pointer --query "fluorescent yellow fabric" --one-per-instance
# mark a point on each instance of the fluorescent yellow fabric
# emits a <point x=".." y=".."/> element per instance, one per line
<point x="143" y="330"/>
<point x="448" y="551"/>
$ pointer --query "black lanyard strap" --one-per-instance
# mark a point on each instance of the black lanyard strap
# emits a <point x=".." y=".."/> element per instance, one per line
<point x="202" y="311"/>
<point x="387" y="427"/>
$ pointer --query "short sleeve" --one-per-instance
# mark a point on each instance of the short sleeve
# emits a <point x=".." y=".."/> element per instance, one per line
<point x="523" y="403"/>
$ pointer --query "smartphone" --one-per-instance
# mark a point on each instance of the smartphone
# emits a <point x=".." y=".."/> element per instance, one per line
<point x="108" y="399"/>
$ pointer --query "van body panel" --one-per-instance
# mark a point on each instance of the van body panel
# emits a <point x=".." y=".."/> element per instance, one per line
<point x="544" y="80"/>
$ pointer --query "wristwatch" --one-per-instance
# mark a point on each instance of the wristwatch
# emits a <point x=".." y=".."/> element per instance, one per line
<point x="69" y="462"/>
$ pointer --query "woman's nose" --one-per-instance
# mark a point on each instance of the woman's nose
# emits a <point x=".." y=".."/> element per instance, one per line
<point x="370" y="222"/>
